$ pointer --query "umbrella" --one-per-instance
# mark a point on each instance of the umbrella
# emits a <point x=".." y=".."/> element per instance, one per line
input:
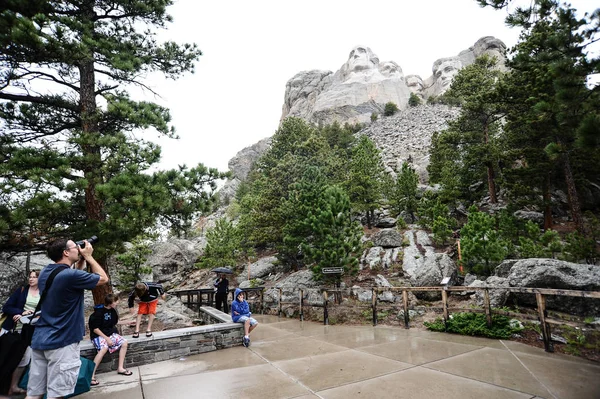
<point x="224" y="270"/>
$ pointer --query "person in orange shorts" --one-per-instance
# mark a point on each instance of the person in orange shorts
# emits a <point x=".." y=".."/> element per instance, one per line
<point x="148" y="293"/>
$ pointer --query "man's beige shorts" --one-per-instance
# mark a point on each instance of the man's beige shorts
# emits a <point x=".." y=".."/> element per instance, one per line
<point x="54" y="371"/>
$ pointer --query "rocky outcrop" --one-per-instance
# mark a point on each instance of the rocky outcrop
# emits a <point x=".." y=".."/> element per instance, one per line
<point x="406" y="136"/>
<point x="424" y="266"/>
<point x="262" y="268"/>
<point x="240" y="165"/>
<point x="387" y="238"/>
<point x="551" y="273"/>
<point x="171" y="258"/>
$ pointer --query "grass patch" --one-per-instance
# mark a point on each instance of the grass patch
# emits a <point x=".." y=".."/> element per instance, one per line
<point x="474" y="324"/>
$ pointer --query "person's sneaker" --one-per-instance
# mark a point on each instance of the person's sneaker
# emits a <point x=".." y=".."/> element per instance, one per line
<point x="246" y="342"/>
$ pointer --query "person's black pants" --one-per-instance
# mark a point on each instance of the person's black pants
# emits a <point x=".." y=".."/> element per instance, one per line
<point x="221" y="298"/>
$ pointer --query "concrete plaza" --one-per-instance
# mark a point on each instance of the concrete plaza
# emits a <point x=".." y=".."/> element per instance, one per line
<point x="293" y="359"/>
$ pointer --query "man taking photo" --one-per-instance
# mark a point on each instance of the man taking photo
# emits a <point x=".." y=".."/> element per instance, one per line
<point x="55" y="359"/>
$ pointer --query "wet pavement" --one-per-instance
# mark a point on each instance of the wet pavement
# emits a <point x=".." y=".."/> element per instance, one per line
<point x="293" y="359"/>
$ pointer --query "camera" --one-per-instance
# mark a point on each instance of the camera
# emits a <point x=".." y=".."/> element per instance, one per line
<point x="91" y="240"/>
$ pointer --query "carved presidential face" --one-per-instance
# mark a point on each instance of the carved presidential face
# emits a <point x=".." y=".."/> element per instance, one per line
<point x="390" y="69"/>
<point x="444" y="70"/>
<point x="414" y="83"/>
<point x="361" y="58"/>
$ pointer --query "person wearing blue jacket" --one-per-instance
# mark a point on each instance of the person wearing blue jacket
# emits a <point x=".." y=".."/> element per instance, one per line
<point x="240" y="313"/>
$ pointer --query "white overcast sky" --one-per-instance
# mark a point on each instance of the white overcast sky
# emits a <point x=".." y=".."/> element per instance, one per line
<point x="252" y="48"/>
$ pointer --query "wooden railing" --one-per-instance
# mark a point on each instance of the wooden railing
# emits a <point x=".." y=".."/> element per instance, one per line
<point x="196" y="298"/>
<point x="540" y="293"/>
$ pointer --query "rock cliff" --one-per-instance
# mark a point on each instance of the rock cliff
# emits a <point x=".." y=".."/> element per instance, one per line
<point x="363" y="84"/>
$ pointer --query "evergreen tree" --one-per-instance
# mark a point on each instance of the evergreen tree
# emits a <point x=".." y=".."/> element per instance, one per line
<point x="482" y="245"/>
<point x="223" y="245"/>
<point x="551" y="105"/>
<point x="335" y="239"/>
<point x="467" y="150"/>
<point x="67" y="140"/>
<point x="366" y="176"/>
<point x="404" y="193"/>
<point x="296" y="147"/>
<point x="305" y="196"/>
<point x="133" y="260"/>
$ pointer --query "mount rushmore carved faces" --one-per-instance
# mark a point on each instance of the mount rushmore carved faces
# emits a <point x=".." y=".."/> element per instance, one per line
<point x="415" y="84"/>
<point x="444" y="70"/>
<point x="390" y="69"/>
<point x="361" y="58"/>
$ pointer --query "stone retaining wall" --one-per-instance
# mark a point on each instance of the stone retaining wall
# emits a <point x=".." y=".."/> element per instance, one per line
<point x="218" y="332"/>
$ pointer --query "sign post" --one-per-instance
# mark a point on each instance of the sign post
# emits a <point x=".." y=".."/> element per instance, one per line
<point x="337" y="271"/>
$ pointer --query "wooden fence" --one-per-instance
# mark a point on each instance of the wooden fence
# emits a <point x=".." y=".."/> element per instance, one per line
<point x="255" y="296"/>
<point x="540" y="293"/>
<point x="196" y="298"/>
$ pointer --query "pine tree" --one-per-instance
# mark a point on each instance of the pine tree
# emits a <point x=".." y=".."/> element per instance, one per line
<point x="223" y="246"/>
<point x="482" y="245"/>
<point x="404" y="194"/>
<point x="335" y="239"/>
<point x="133" y="260"/>
<point x="468" y="147"/>
<point x="67" y="143"/>
<point x="365" y="181"/>
<point x="552" y="107"/>
<point x="305" y="196"/>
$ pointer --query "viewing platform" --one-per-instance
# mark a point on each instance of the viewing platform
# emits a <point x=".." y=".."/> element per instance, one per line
<point x="289" y="358"/>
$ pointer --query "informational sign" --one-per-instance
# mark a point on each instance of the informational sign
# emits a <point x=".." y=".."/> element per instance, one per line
<point x="332" y="270"/>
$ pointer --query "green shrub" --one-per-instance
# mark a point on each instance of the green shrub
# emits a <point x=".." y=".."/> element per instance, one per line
<point x="414" y="100"/>
<point x="390" y="109"/>
<point x="474" y="324"/>
<point x="374" y="116"/>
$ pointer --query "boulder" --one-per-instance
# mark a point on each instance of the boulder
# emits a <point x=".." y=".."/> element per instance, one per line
<point x="557" y="274"/>
<point x="503" y="269"/>
<point x="497" y="296"/>
<point x="536" y="217"/>
<point x="387" y="238"/>
<point x="259" y="269"/>
<point x="171" y="258"/>
<point x="290" y="289"/>
<point x="375" y="257"/>
<point x="385" y="222"/>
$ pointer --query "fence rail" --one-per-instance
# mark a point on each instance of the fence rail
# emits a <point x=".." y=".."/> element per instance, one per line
<point x="196" y="298"/>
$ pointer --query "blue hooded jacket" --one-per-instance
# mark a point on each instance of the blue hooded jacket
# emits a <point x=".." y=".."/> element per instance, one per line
<point x="240" y="307"/>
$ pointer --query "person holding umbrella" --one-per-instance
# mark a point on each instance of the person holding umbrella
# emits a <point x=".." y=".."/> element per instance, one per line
<point x="221" y="291"/>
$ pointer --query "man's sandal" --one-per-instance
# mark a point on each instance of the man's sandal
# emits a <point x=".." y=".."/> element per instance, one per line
<point x="136" y="334"/>
<point x="148" y="333"/>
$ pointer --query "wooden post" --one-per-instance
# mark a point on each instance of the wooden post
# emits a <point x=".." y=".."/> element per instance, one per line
<point x="460" y="265"/>
<point x="445" y="305"/>
<point x="374" y="301"/>
<point x="405" y="304"/>
<point x="301" y="304"/>
<point x="546" y="335"/>
<point x="279" y="313"/>
<point x="325" y="312"/>
<point x="488" y="307"/>
<point x="262" y="301"/>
